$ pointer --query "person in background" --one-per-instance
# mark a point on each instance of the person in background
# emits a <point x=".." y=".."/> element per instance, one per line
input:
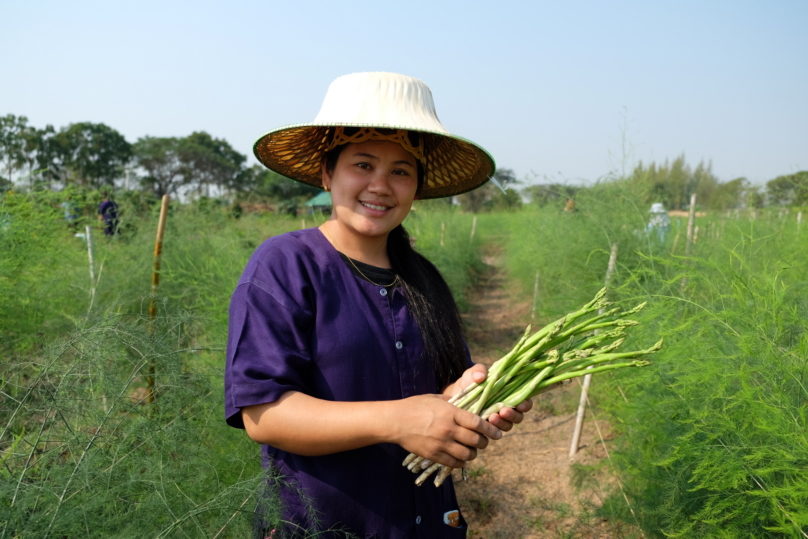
<point x="71" y="210"/>
<point x="659" y="221"/>
<point x="108" y="212"/>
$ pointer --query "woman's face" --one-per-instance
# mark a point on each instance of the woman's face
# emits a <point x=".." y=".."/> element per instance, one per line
<point x="372" y="187"/>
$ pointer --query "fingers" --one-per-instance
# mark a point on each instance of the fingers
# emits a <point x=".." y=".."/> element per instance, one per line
<point x="506" y="418"/>
<point x="449" y="458"/>
<point x="478" y="373"/>
<point x="475" y="374"/>
<point x="476" y="423"/>
<point x="502" y="424"/>
<point x="471" y="439"/>
<point x="525" y="406"/>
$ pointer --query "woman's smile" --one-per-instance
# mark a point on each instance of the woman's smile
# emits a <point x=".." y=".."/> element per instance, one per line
<point x="379" y="207"/>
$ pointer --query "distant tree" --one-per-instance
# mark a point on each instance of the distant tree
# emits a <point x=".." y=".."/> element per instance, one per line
<point x="731" y="194"/>
<point x="483" y="197"/>
<point x="789" y="190"/>
<point x="269" y="184"/>
<point x="32" y="143"/>
<point x="704" y="183"/>
<point x="161" y="158"/>
<point x="12" y="143"/>
<point x="196" y="162"/>
<point x="673" y="183"/>
<point x="210" y="161"/>
<point x="755" y="197"/>
<point x="499" y="201"/>
<point x="88" y="154"/>
<point x="49" y="153"/>
<point x="552" y="193"/>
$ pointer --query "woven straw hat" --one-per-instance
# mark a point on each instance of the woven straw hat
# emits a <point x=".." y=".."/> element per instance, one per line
<point x="378" y="104"/>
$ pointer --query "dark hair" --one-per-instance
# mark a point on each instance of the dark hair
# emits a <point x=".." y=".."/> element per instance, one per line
<point x="432" y="305"/>
<point x="428" y="297"/>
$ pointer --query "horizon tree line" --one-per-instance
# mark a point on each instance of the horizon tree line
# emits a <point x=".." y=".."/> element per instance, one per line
<point x="96" y="156"/>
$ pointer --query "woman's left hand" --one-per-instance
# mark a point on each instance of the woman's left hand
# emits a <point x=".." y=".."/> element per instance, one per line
<point x="506" y="418"/>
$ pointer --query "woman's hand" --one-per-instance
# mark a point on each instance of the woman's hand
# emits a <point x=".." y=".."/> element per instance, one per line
<point x="506" y="418"/>
<point x="429" y="426"/>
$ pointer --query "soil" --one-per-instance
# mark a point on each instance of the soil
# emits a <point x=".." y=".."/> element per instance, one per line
<point x="520" y="486"/>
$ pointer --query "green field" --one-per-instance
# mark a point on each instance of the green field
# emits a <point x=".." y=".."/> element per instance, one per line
<point x="712" y="437"/>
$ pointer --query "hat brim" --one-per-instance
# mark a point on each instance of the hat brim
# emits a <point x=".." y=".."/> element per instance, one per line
<point x="453" y="164"/>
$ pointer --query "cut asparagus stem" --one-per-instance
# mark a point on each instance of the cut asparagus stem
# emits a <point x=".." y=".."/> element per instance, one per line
<point x="444" y="472"/>
<point x="429" y="471"/>
<point x="463" y="393"/>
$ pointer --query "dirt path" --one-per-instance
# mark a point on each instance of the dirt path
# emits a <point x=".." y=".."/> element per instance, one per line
<point x="519" y="487"/>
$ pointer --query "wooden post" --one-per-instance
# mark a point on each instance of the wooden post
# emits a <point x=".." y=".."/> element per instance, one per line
<point x="696" y="235"/>
<point x="579" y="419"/>
<point x="442" y="230"/>
<point x="302" y="224"/>
<point x="535" y="296"/>
<point x="473" y="228"/>
<point x="89" y="232"/>
<point x="691" y="221"/>
<point x="158" y="250"/>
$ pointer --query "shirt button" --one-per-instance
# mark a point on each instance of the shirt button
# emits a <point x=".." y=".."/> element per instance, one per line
<point x="418" y="519"/>
<point x="399" y="345"/>
<point x="383" y="291"/>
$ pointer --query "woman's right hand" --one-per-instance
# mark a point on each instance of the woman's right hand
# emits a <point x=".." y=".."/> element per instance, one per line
<point x="430" y="427"/>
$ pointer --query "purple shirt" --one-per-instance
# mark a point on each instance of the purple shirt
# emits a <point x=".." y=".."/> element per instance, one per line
<point x="300" y="320"/>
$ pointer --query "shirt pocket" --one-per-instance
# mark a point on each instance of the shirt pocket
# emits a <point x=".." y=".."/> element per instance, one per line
<point x="454" y="525"/>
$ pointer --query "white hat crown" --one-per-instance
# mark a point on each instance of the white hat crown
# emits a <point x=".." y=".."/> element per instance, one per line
<point x="380" y="99"/>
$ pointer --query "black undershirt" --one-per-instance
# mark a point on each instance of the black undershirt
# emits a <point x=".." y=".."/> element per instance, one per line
<point x="372" y="274"/>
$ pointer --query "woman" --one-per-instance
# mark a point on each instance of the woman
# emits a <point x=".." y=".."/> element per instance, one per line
<point x="345" y="343"/>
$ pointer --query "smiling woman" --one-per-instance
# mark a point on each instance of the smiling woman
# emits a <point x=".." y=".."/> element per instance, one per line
<point x="345" y="343"/>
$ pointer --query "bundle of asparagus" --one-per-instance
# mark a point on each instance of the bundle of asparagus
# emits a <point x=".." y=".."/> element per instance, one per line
<point x="558" y="352"/>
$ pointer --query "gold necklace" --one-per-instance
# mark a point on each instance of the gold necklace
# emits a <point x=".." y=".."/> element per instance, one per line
<point x="365" y="276"/>
<point x="355" y="266"/>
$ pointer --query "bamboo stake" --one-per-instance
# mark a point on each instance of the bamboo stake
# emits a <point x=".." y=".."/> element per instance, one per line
<point x="579" y="418"/>
<point x="535" y="296"/>
<point x="473" y="228"/>
<point x="691" y="220"/>
<point x="158" y="250"/>
<point x="89" y="232"/>
<point x="442" y="230"/>
<point x="799" y="221"/>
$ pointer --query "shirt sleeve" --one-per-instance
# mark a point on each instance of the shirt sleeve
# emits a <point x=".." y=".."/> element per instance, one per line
<point x="267" y="348"/>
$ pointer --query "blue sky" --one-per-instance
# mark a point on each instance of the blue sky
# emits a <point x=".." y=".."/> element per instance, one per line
<point x="552" y="89"/>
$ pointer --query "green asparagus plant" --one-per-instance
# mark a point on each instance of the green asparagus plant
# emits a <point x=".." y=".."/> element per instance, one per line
<point x="582" y="342"/>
